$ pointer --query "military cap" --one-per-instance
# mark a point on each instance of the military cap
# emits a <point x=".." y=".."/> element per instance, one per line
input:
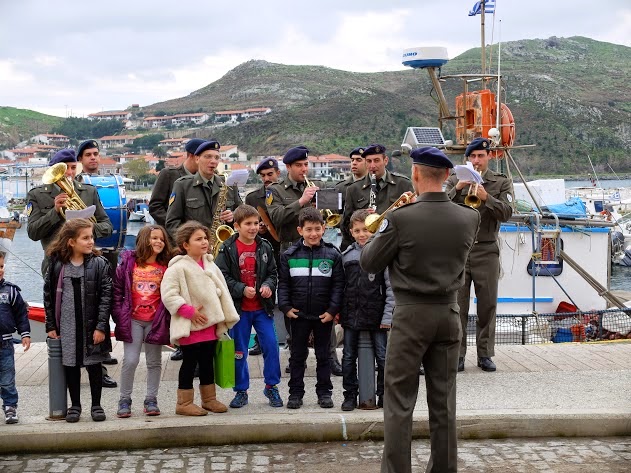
<point x="356" y="152"/>
<point x="206" y="145"/>
<point x="430" y="156"/>
<point x="295" y="154"/>
<point x="192" y="145"/>
<point x="267" y="163"/>
<point x="477" y="144"/>
<point x="374" y="149"/>
<point x="63" y="156"/>
<point x="87" y="144"/>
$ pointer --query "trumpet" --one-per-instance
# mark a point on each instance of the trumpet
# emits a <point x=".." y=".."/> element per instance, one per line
<point x="308" y="182"/>
<point x="56" y="174"/>
<point x="373" y="221"/>
<point x="472" y="200"/>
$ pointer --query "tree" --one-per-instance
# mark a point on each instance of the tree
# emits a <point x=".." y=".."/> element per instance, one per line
<point x="146" y="142"/>
<point x="160" y="165"/>
<point x="136" y="168"/>
<point x="159" y="152"/>
<point x="234" y="155"/>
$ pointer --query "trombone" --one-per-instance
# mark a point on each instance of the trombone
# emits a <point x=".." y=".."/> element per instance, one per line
<point x="472" y="200"/>
<point x="331" y="219"/>
<point x="56" y="174"/>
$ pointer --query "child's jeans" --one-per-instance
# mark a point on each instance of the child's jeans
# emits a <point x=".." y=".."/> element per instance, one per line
<point x="300" y="330"/>
<point x="349" y="359"/>
<point x="8" y="392"/>
<point x="153" y="356"/>
<point x="264" y="328"/>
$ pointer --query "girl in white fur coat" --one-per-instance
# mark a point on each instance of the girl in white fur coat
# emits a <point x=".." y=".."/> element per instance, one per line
<point x="194" y="291"/>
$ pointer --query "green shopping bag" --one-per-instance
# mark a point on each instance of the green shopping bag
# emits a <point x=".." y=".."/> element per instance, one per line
<point x="224" y="362"/>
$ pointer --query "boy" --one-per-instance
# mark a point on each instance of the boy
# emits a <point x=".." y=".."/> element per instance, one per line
<point x="247" y="262"/>
<point x="13" y="315"/>
<point x="310" y="290"/>
<point x="368" y="305"/>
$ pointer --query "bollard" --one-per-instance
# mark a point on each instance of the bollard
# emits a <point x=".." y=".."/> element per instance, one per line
<point x="57" y="394"/>
<point x="366" y="371"/>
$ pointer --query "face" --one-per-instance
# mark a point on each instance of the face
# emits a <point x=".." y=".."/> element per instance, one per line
<point x="71" y="170"/>
<point x="376" y="164"/>
<point x="156" y="241"/>
<point x="298" y="170"/>
<point x="360" y="233"/>
<point x="248" y="228"/>
<point x="83" y="243"/>
<point x="1" y="268"/>
<point x="197" y="244"/>
<point x="262" y="227"/>
<point x="480" y="159"/>
<point x="312" y="232"/>
<point x="90" y="160"/>
<point x="269" y="176"/>
<point x="358" y="166"/>
<point x="191" y="162"/>
<point x="207" y="162"/>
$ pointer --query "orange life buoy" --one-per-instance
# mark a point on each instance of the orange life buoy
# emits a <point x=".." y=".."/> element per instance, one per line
<point x="507" y="130"/>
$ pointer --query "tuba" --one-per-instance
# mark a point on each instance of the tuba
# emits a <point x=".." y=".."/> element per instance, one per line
<point x="472" y="199"/>
<point x="56" y="174"/>
<point x="373" y="221"/>
<point x="218" y="231"/>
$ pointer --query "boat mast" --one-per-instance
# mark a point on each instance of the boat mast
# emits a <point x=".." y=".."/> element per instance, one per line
<point x="482" y="2"/>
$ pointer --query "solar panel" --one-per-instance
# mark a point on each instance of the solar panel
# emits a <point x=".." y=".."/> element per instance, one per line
<point x="422" y="135"/>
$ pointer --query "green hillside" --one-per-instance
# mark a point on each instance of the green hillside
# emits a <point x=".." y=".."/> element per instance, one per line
<point x="18" y="124"/>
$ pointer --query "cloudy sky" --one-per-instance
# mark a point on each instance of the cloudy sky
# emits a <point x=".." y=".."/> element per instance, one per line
<point x="79" y="57"/>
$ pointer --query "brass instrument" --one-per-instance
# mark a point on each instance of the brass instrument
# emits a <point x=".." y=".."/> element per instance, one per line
<point x="56" y="174"/>
<point x="331" y="219"/>
<point x="218" y="231"/>
<point x="472" y="199"/>
<point x="373" y="221"/>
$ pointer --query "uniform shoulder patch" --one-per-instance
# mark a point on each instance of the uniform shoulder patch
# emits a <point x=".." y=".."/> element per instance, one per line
<point x="171" y="198"/>
<point x="383" y="226"/>
<point x="29" y="209"/>
<point x="269" y="197"/>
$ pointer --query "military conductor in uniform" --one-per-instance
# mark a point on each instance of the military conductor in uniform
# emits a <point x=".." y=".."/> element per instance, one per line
<point x="425" y="246"/>
<point x="483" y="265"/>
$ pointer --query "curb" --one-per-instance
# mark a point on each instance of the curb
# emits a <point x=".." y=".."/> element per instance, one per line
<point x="177" y="431"/>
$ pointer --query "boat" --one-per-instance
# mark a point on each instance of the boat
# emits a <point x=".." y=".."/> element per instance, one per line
<point x="9" y="223"/>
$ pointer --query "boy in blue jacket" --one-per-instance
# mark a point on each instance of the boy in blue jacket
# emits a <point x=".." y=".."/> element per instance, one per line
<point x="310" y="291"/>
<point x="13" y="315"/>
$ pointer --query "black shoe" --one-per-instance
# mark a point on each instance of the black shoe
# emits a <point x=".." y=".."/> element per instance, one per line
<point x="461" y="363"/>
<point x="294" y="402"/>
<point x="336" y="368"/>
<point x="350" y="402"/>
<point x="325" y="401"/>
<point x="486" y="364"/>
<point x="421" y="371"/>
<point x="380" y="402"/>
<point x="110" y="361"/>
<point x="255" y="350"/>
<point x="109" y="382"/>
<point x="177" y="355"/>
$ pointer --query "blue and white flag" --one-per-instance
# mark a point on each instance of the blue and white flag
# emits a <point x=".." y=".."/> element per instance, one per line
<point x="489" y="7"/>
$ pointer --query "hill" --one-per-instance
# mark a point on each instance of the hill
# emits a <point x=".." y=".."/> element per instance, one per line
<point x="569" y="96"/>
<point x="18" y="124"/>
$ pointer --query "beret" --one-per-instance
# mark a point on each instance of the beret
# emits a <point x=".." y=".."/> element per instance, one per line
<point x="374" y="149"/>
<point x="63" y="156"/>
<point x="192" y="145"/>
<point x="477" y="144"/>
<point x="206" y="145"/>
<point x="267" y="163"/>
<point x="430" y="156"/>
<point x="296" y="154"/>
<point x="355" y="152"/>
<point x="87" y="144"/>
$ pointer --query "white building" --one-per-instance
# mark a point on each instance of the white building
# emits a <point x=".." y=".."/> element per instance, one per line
<point x="117" y="141"/>
<point x="226" y="150"/>
<point x="111" y="115"/>
<point x="51" y="139"/>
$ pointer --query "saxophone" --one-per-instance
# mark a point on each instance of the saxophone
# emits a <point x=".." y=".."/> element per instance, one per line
<point x="218" y="231"/>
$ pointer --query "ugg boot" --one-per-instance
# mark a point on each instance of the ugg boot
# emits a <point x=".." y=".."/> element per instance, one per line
<point x="209" y="398"/>
<point x="185" y="405"/>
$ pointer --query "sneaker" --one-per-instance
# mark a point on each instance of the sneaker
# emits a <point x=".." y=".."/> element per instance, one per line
<point x="240" y="399"/>
<point x="273" y="396"/>
<point x="124" y="408"/>
<point x="350" y="402"/>
<point x="294" y="402"/>
<point x="380" y="402"/>
<point x="151" y="407"/>
<point x="10" y="415"/>
<point x="325" y="401"/>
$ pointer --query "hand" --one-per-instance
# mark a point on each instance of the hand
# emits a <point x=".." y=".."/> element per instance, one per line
<point x="226" y="216"/>
<point x="266" y="292"/>
<point x="249" y="292"/>
<point x="326" y="317"/>
<point x="386" y="326"/>
<point x="26" y="343"/>
<point x="52" y="334"/>
<point x="198" y="317"/>
<point x="482" y="194"/>
<point x="307" y="195"/>
<point x="98" y="337"/>
<point x="60" y="202"/>
<point x="292" y="313"/>
<point x="370" y="210"/>
<point x="337" y="319"/>
<point x="462" y="184"/>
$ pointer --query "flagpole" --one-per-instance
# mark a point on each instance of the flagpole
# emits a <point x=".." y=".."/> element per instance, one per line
<point x="482" y="2"/>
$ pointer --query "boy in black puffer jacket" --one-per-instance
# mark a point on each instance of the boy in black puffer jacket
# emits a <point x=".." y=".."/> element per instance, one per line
<point x="310" y="291"/>
<point x="368" y="305"/>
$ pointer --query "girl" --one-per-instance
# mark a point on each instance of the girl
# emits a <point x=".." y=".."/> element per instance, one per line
<point x="194" y="291"/>
<point x="140" y="315"/>
<point x="77" y="300"/>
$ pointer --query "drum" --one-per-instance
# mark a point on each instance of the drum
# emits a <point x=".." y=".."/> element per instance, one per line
<point x="112" y="193"/>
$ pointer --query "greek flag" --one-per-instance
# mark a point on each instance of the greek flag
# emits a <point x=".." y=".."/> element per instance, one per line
<point x="489" y="7"/>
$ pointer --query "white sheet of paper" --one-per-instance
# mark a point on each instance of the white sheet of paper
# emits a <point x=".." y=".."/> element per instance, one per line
<point x="466" y="172"/>
<point x="238" y="177"/>
<point x="88" y="212"/>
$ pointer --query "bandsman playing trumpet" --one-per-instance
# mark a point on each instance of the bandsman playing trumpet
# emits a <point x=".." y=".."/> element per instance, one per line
<point x="483" y="264"/>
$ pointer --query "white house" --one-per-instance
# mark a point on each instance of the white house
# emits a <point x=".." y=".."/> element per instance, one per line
<point x="111" y="115"/>
<point x="51" y="139"/>
<point x="156" y="122"/>
<point x="117" y="141"/>
<point x="226" y="150"/>
<point x="189" y="118"/>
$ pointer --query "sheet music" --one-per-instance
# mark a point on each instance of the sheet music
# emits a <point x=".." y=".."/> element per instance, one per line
<point x="466" y="172"/>
<point x="238" y="177"/>
<point x="88" y="212"/>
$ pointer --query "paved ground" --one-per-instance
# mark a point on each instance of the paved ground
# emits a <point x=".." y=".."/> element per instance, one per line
<point x="519" y="456"/>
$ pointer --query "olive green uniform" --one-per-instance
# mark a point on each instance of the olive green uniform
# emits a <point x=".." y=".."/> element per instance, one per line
<point x="483" y="264"/>
<point x="425" y="246"/>
<point x="159" y="202"/>
<point x="342" y="187"/>
<point x="194" y="199"/>
<point x="44" y="221"/>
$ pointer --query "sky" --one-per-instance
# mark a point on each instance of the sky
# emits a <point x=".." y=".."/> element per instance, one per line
<point x="78" y="57"/>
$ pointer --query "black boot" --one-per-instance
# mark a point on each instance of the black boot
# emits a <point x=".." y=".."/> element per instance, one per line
<point x="336" y="368"/>
<point x="177" y="355"/>
<point x="350" y="402"/>
<point x="256" y="349"/>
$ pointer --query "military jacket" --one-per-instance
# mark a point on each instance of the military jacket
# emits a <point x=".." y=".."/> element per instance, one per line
<point x="497" y="207"/>
<point x="256" y="199"/>
<point x="44" y="221"/>
<point x="191" y="199"/>
<point x="159" y="202"/>
<point x="342" y="187"/>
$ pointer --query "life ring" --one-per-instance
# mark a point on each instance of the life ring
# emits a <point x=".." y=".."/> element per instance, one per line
<point x="507" y="130"/>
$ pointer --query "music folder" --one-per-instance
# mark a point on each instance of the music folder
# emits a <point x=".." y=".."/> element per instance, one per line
<point x="328" y="199"/>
